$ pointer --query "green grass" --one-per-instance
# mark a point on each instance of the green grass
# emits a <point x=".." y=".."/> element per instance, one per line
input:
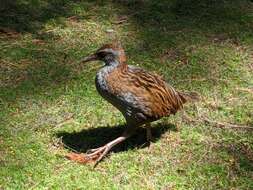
<point x="48" y="101"/>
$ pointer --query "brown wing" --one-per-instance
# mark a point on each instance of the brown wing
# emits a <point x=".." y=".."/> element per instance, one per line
<point x="150" y="93"/>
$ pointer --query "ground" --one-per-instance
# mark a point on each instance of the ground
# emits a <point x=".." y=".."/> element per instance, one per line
<point x="49" y="104"/>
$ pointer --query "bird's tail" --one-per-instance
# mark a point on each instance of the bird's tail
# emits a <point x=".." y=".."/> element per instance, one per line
<point x="189" y="96"/>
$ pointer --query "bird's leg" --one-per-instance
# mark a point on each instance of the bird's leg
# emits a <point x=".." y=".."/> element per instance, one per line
<point x="98" y="154"/>
<point x="149" y="134"/>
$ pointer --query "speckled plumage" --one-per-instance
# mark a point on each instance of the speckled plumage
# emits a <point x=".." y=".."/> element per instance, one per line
<point x="141" y="96"/>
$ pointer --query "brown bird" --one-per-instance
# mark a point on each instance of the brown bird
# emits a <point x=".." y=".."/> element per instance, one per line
<point x="141" y="96"/>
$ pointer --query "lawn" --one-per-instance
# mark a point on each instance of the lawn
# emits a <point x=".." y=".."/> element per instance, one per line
<point x="49" y="105"/>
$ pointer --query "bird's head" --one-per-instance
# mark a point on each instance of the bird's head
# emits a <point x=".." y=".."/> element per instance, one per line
<point x="108" y="53"/>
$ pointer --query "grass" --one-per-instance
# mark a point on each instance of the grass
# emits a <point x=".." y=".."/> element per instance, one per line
<point x="49" y="105"/>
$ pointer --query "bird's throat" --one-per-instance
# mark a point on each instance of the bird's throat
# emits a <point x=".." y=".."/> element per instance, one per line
<point x="111" y="61"/>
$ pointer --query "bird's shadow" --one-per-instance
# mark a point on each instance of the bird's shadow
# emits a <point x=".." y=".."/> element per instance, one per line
<point x="95" y="137"/>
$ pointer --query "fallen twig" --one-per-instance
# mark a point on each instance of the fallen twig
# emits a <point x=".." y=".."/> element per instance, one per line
<point x="226" y="125"/>
<point x="249" y="90"/>
<point x="217" y="124"/>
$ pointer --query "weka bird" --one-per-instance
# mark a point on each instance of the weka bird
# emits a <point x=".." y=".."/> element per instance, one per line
<point x="141" y="96"/>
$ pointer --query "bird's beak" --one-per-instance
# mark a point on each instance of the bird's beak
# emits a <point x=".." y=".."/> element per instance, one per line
<point x="91" y="57"/>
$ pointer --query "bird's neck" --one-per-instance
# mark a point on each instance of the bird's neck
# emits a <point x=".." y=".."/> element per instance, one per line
<point x="110" y="65"/>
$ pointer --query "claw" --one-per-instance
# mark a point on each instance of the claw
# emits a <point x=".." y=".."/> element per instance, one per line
<point x="106" y="150"/>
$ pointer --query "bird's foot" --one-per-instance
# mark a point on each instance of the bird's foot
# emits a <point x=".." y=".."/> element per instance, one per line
<point x="98" y="154"/>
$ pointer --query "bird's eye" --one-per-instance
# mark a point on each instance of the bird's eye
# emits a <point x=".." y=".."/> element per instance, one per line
<point x="101" y="54"/>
